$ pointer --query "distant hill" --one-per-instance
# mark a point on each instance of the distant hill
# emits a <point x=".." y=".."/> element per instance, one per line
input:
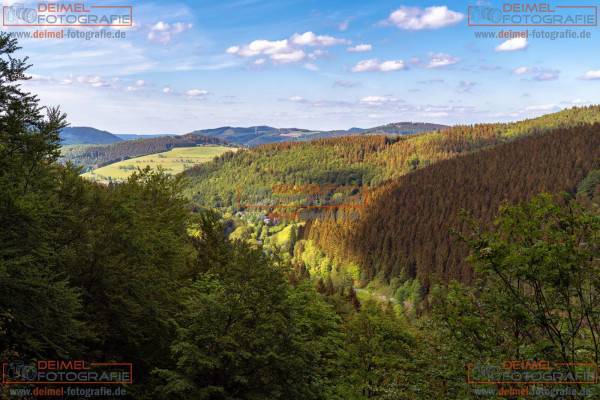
<point x="258" y="135"/>
<point x="247" y="136"/>
<point x="402" y="128"/>
<point x="128" y="136"/>
<point x="94" y="156"/>
<point x="86" y="135"/>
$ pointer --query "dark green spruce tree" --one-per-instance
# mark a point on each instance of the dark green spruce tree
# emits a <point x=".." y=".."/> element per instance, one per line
<point x="38" y="308"/>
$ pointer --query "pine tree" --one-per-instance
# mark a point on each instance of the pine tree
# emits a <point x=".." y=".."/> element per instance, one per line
<point x="39" y="306"/>
<point x="354" y="299"/>
<point x="329" y="287"/>
<point x="320" y="287"/>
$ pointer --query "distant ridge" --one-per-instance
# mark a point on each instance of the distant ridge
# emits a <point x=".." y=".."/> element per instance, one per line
<point x="403" y="128"/>
<point x="87" y="135"/>
<point x="248" y="136"/>
<point x="130" y="136"/>
<point x="257" y="135"/>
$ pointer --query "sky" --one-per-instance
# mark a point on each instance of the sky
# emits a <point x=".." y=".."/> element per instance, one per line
<point x="188" y="65"/>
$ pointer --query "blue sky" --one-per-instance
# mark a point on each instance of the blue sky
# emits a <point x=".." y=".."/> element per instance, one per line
<point x="312" y="64"/>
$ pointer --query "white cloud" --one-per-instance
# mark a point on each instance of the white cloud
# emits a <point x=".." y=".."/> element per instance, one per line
<point x="261" y="47"/>
<point x="435" y="114"/>
<point x="94" y="81"/>
<point x="317" y="54"/>
<point x="160" y="26"/>
<point x="279" y="51"/>
<point x="36" y="77"/>
<point x="139" y="84"/>
<point x="577" y="102"/>
<point x="415" y="18"/>
<point x="542" y="107"/>
<point x="311" y="67"/>
<point x="163" y="32"/>
<point x="196" y="93"/>
<point x="366" y="65"/>
<point x="438" y="60"/>
<point x="310" y="39"/>
<point x="537" y="74"/>
<point x="515" y="44"/>
<point x="392" y="65"/>
<point x="591" y="75"/>
<point x="259" y="61"/>
<point x="291" y="57"/>
<point x="167" y="90"/>
<point x="378" y="100"/>
<point x="360" y="48"/>
<point x="547" y="75"/>
<point x="522" y="70"/>
<point x="297" y="99"/>
<point x="51" y="80"/>
<point x="286" y="50"/>
<point x="374" y="65"/>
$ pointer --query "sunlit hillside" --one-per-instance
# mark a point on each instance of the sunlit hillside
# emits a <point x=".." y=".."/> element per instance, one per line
<point x="172" y="161"/>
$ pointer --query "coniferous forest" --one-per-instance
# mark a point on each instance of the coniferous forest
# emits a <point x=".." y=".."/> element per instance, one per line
<point x="479" y="244"/>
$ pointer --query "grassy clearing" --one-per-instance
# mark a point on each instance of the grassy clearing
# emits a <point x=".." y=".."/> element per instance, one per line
<point x="173" y="161"/>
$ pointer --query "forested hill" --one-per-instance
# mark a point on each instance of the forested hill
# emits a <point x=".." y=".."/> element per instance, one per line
<point x="86" y="135"/>
<point x="259" y="135"/>
<point x="100" y="155"/>
<point x="357" y="160"/>
<point x="407" y="229"/>
<point x="403" y="128"/>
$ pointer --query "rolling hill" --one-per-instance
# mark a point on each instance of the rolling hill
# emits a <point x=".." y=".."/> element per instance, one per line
<point x="91" y="148"/>
<point x="407" y="228"/>
<point x="173" y="161"/>
<point x="362" y="160"/>
<point x="258" y="135"/>
<point x="130" y="136"/>
<point x="420" y="184"/>
<point x="95" y="156"/>
<point x="86" y="135"/>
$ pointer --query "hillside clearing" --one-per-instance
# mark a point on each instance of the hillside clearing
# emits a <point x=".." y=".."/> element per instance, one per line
<point x="173" y="162"/>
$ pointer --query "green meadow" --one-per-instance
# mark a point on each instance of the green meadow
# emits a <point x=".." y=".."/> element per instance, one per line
<point x="173" y="162"/>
